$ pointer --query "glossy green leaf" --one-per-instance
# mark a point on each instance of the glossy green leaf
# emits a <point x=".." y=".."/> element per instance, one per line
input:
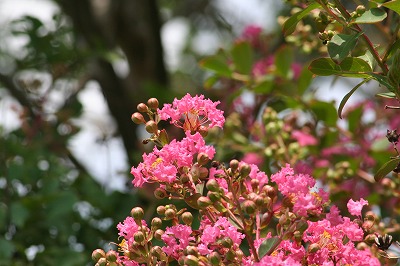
<point x="283" y="61"/>
<point x="242" y="55"/>
<point x="324" y="67"/>
<point x="341" y="45"/>
<point x="354" y="67"/>
<point x="386" y="169"/>
<point x="389" y="95"/>
<point x="267" y="246"/>
<point x="393" y="5"/>
<point x="347" y="97"/>
<point x="373" y="15"/>
<point x="216" y="63"/>
<point x="349" y="67"/>
<point x="383" y="80"/>
<point x="290" y="24"/>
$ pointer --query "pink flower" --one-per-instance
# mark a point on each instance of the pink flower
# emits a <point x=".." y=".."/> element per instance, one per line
<point x="128" y="228"/>
<point x="355" y="207"/>
<point x="190" y="113"/>
<point x="288" y="182"/>
<point x="176" y="238"/>
<point x="303" y="138"/>
<point x="211" y="233"/>
<point x="162" y="165"/>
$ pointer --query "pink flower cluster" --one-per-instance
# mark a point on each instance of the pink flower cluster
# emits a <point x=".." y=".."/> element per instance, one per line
<point x="190" y="113"/>
<point x="162" y="165"/>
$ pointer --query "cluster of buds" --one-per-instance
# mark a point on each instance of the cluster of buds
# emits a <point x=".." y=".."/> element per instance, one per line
<point x="158" y="137"/>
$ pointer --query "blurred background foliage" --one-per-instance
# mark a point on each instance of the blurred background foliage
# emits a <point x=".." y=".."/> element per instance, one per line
<point x="52" y="209"/>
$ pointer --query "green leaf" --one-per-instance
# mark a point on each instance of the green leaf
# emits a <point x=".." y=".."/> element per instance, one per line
<point x="347" y="97"/>
<point x="389" y="95"/>
<point x="371" y="16"/>
<point x="341" y="45"/>
<point x="355" y="67"/>
<point x="263" y="87"/>
<point x="6" y="248"/>
<point x="325" y="112"/>
<point x="383" y="80"/>
<point x="324" y="67"/>
<point x="290" y="24"/>
<point x="386" y="169"/>
<point x="216" y="63"/>
<point x="242" y="55"/>
<point x="283" y="61"/>
<point x="267" y="246"/>
<point x="393" y="5"/>
<point x="349" y="67"/>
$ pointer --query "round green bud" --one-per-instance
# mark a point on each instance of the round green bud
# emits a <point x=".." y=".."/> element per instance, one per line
<point x="213" y="196"/>
<point x="187" y="218"/>
<point x="138" y="237"/>
<point x="156" y="222"/>
<point x="203" y="202"/>
<point x="202" y="158"/>
<point x="112" y="256"/>
<point x="191" y="260"/>
<point x="234" y="165"/>
<point x="215" y="258"/>
<point x="160" y="193"/>
<point x="98" y="254"/>
<point x="170" y="213"/>
<point x="158" y="234"/>
<point x="141" y="107"/>
<point x="245" y="170"/>
<point x="137" y="213"/>
<point x="151" y="127"/>
<point x="212" y="185"/>
<point x="161" y="210"/>
<point x="138" y="118"/>
<point x="153" y="103"/>
<point x="249" y="207"/>
<point x="102" y="262"/>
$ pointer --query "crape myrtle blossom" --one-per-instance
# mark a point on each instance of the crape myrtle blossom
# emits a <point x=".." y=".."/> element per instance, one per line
<point x="191" y="113"/>
<point x="162" y="165"/>
<point x="176" y="238"/>
<point x="355" y="207"/>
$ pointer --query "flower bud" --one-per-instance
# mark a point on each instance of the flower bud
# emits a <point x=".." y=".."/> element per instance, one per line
<point x="138" y="237"/>
<point x="298" y="236"/>
<point x="157" y="252"/>
<point x="151" y="127"/>
<point x="234" y="165"/>
<point x="170" y="213"/>
<point x="156" y="222"/>
<point x="249" y="207"/>
<point x="138" y="118"/>
<point x="112" y="256"/>
<point x="191" y="260"/>
<point x="314" y="247"/>
<point x="153" y="103"/>
<point x="360" y="9"/>
<point x="160" y="193"/>
<point x="202" y="158"/>
<point x="191" y="250"/>
<point x="215" y="258"/>
<point x="203" y="202"/>
<point x="161" y="210"/>
<point x="184" y="178"/>
<point x="245" y="170"/>
<point x="230" y="255"/>
<point x="102" y="262"/>
<point x="98" y="254"/>
<point x="137" y="213"/>
<point x="158" y="233"/>
<point x="270" y="191"/>
<point x="213" y="196"/>
<point x="203" y="173"/>
<point x="212" y="185"/>
<point x="203" y="131"/>
<point x="226" y="242"/>
<point x="187" y="218"/>
<point x="141" y="107"/>
<point x="254" y="184"/>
